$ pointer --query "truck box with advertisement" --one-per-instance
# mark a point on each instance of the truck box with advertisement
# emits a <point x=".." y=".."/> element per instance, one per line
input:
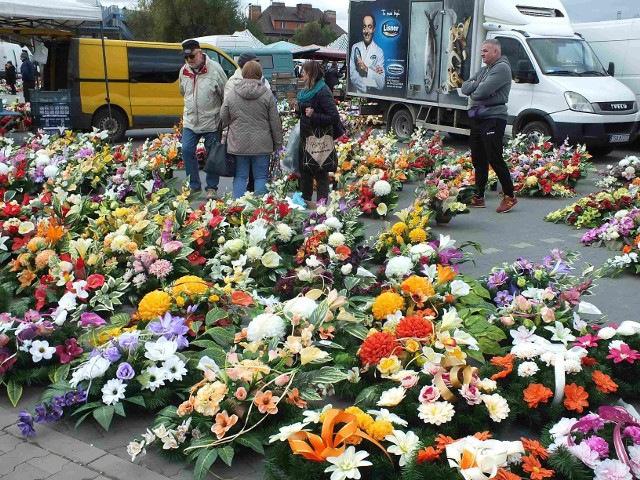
<point x="411" y="58"/>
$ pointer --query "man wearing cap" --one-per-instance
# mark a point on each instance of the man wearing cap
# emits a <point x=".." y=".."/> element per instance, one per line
<point x="28" y="72"/>
<point x="202" y="83"/>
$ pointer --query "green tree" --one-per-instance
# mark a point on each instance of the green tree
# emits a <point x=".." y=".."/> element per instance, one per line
<point x="176" y="20"/>
<point x="314" y="33"/>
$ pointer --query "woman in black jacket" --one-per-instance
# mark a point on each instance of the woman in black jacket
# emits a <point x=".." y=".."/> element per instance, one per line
<point x="319" y="118"/>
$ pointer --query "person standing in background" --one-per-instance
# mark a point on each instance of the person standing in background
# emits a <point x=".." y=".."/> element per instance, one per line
<point x="332" y="76"/>
<point x="488" y="91"/>
<point x="28" y="73"/>
<point x="11" y="76"/>
<point x="202" y="83"/>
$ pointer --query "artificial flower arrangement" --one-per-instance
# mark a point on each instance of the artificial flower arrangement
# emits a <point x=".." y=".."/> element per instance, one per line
<point x="279" y="363"/>
<point x="593" y="210"/>
<point x="11" y="123"/>
<point x="412" y="229"/>
<point x="623" y="173"/>
<point x="602" y="445"/>
<point x="376" y="193"/>
<point x="620" y="232"/>
<point x="539" y="169"/>
<point x="424" y="151"/>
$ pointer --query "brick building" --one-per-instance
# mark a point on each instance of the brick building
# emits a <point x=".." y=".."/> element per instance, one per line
<point x="279" y="22"/>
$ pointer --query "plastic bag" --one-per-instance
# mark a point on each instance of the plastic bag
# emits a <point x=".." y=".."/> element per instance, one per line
<point x="290" y="160"/>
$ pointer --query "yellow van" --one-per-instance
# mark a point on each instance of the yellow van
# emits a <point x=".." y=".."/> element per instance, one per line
<point x="143" y="81"/>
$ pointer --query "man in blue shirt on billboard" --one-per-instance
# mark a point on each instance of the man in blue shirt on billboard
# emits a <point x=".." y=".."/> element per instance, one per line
<point x="366" y="64"/>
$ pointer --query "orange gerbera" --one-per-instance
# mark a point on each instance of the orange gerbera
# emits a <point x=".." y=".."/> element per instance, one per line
<point x="535" y="394"/>
<point x="576" y="398"/>
<point x="504" y="475"/>
<point x="418" y="285"/>
<point x="266" y="402"/>
<point x="483" y="435"/>
<point x="506" y="363"/>
<point x="442" y="441"/>
<point x="223" y="423"/>
<point x="603" y="382"/>
<point x="428" y="454"/>
<point x="532" y="466"/>
<point x="534" y="448"/>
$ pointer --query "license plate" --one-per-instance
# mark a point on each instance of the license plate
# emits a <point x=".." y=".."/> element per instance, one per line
<point x="619" y="138"/>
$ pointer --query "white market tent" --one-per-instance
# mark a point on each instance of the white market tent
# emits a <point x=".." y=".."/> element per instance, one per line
<point x="47" y="18"/>
<point x="340" y="43"/>
<point x="244" y="39"/>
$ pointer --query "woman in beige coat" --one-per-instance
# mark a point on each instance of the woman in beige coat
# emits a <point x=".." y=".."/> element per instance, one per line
<point x="255" y="131"/>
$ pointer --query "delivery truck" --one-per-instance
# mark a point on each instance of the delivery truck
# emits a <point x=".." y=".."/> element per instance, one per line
<point x="409" y="59"/>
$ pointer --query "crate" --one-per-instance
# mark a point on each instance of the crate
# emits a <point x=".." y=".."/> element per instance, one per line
<point x="276" y="76"/>
<point x="46" y="96"/>
<point x="57" y="109"/>
<point x="53" y="122"/>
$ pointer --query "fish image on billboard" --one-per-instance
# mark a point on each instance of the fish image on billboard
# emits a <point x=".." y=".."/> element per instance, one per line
<point x="430" y="53"/>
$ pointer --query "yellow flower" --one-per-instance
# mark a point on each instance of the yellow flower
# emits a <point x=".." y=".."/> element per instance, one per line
<point x="411" y="346"/>
<point x="417" y="235"/>
<point x="208" y="398"/>
<point x="399" y="228"/>
<point x="189" y="285"/>
<point x="418" y="285"/>
<point x="380" y="429"/>
<point x="364" y="420"/>
<point x="106" y="335"/>
<point x="389" y="365"/>
<point x="531" y="180"/>
<point x="154" y="304"/>
<point x="353" y="411"/>
<point x="121" y="212"/>
<point x="385" y="304"/>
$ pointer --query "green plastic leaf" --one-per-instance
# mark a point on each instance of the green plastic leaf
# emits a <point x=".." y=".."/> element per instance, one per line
<point x="351" y="282"/>
<point x="214" y="315"/>
<point x="60" y="373"/>
<point x="226" y="454"/>
<point x="367" y="396"/>
<point x="14" y="392"/>
<point x="104" y="415"/>
<point x="203" y="463"/>
<point x="119" y="320"/>
<point x="119" y="409"/>
<point x="319" y="314"/>
<point x="327" y="375"/>
<point x="137" y="400"/>
<point x="252" y="442"/>
<point x="223" y="336"/>
<point x="357" y="330"/>
<point x="217" y="353"/>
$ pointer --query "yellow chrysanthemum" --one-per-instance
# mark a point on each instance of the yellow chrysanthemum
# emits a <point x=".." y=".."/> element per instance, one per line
<point x="353" y="410"/>
<point x="364" y="420"/>
<point x="106" y="335"/>
<point x="189" y="285"/>
<point x="415" y="285"/>
<point x="380" y="429"/>
<point x="417" y="235"/>
<point x="399" y="228"/>
<point x="387" y="303"/>
<point x="154" y="304"/>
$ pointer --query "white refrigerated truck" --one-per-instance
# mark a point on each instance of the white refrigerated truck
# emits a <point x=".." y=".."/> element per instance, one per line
<point x="411" y="57"/>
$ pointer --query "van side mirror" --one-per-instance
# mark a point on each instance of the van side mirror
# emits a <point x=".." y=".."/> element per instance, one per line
<point x="525" y="72"/>
<point x="612" y="69"/>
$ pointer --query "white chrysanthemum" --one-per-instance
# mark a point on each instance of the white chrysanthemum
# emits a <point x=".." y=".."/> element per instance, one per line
<point x="265" y="325"/>
<point x="527" y="369"/>
<point x="254" y="253"/>
<point x="391" y="397"/>
<point x="234" y="245"/>
<point x="153" y="378"/>
<point x="497" y="407"/>
<point x="398" y="267"/>
<point x="119" y="243"/>
<point x="382" y="188"/>
<point x="113" y="391"/>
<point x="436" y="413"/>
<point x="334" y="223"/>
<point x="175" y="368"/>
<point x="42" y="159"/>
<point x="300" y="306"/>
<point x="285" y="232"/>
<point x="336" y="239"/>
<point x="50" y="171"/>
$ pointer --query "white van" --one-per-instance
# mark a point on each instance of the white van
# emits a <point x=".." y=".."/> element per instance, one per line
<point x="616" y="41"/>
<point x="10" y="51"/>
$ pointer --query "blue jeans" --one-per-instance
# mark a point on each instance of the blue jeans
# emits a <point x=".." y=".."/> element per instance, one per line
<point x="190" y="141"/>
<point x="260" y="165"/>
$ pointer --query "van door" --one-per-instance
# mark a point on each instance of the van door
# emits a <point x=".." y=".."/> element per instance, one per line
<point x="521" y="95"/>
<point x="153" y="86"/>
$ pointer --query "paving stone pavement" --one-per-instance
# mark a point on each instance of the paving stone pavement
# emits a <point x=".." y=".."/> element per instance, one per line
<point x="59" y="451"/>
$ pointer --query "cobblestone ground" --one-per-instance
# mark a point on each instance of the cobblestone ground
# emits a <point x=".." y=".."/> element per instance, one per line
<point x="59" y="451"/>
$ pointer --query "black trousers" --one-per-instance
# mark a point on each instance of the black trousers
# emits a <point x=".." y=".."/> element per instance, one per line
<point x="26" y="86"/>
<point x="306" y="185"/>
<point x="486" y="149"/>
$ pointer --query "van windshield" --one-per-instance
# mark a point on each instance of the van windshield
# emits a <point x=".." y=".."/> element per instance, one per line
<point x="566" y="56"/>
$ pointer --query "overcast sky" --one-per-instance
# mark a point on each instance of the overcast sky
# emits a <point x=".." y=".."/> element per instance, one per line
<point x="579" y="10"/>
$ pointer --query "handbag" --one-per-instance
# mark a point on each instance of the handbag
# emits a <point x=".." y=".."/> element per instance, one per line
<point x="318" y="149"/>
<point x="219" y="161"/>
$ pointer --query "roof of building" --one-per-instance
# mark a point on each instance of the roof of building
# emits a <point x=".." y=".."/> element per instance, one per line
<point x="278" y="13"/>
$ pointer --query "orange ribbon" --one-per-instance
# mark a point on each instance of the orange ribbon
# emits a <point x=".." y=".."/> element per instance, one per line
<point x="330" y="444"/>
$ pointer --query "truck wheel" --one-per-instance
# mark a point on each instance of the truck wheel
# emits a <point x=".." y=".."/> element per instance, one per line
<point x="402" y="124"/>
<point x="116" y="124"/>
<point x="536" y="130"/>
<point x="601" y="151"/>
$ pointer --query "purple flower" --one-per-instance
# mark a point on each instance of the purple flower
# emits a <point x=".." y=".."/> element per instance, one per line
<point x="498" y="278"/>
<point x="55" y="414"/>
<point x="128" y="341"/>
<point x="524" y="265"/>
<point x="125" y="371"/>
<point x="633" y="433"/>
<point x="598" y="444"/>
<point x="41" y="413"/>
<point x="503" y="298"/>
<point x="26" y="424"/>
<point x="91" y="319"/>
<point x="32" y="316"/>
<point x="449" y="254"/>
<point x="590" y="423"/>
<point x="169" y="326"/>
<point x="112" y="354"/>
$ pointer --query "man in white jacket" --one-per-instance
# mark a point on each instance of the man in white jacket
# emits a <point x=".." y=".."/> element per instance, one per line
<point x="366" y="63"/>
<point x="202" y="83"/>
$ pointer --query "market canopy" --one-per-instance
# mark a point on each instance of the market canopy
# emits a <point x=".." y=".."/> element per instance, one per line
<point x="316" y="52"/>
<point x="46" y="17"/>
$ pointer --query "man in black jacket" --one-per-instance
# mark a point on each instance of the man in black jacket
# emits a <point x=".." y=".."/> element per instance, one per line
<point x="10" y="76"/>
<point x="28" y="72"/>
<point x="332" y="77"/>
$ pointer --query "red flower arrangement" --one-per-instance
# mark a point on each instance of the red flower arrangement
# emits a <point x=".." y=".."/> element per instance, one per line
<point x="414" y="326"/>
<point x="378" y="346"/>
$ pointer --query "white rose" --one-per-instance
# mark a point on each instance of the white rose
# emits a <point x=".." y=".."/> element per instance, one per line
<point x="336" y="239"/>
<point x="346" y="269"/>
<point x="333" y="222"/>
<point x="234" y="245"/>
<point x="606" y="333"/>
<point x="254" y="253"/>
<point x="321" y="210"/>
<point x="50" y="171"/>
<point x="271" y="259"/>
<point x="300" y="306"/>
<point x="527" y="369"/>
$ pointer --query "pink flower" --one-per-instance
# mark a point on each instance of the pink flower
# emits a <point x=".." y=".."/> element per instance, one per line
<point x="68" y="351"/>
<point x="91" y="319"/>
<point x="95" y="281"/>
<point x="172" y="246"/>
<point x="471" y="394"/>
<point x="428" y="394"/>
<point x="587" y="341"/>
<point x="624" y="352"/>
<point x="161" y="268"/>
<point x="409" y="381"/>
